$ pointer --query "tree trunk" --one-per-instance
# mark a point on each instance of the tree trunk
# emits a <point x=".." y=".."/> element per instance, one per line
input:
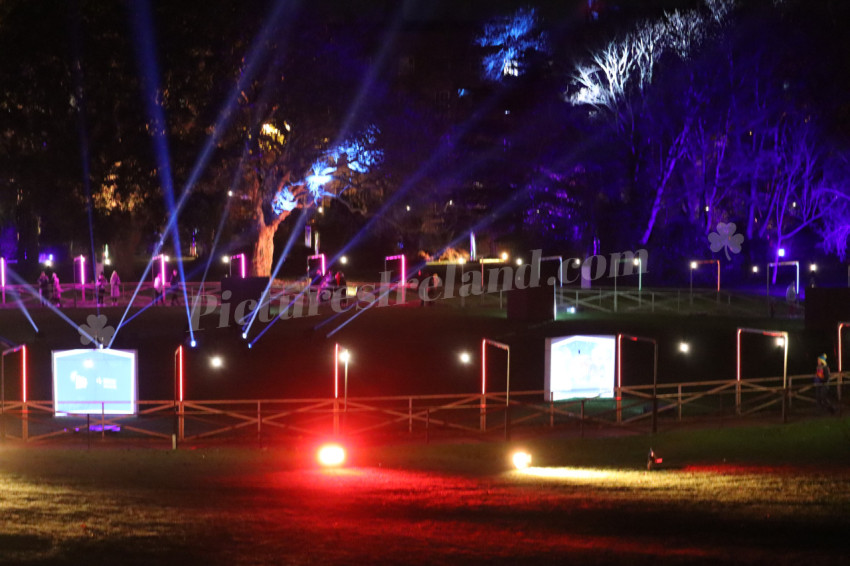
<point x="261" y="262"/>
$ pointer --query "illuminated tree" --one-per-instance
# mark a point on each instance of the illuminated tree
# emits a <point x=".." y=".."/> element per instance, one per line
<point x="509" y="41"/>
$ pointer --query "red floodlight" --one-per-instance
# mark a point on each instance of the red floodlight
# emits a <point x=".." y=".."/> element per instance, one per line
<point x="331" y="455"/>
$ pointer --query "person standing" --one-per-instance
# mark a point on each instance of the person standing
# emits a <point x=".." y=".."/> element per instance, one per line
<point x="57" y="290"/>
<point x="114" y="287"/>
<point x="101" y="288"/>
<point x="43" y="286"/>
<point x="174" y="287"/>
<point x="822" y="384"/>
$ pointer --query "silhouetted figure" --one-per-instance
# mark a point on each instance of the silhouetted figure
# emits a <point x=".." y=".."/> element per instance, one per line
<point x="43" y="287"/>
<point x="101" y="288"/>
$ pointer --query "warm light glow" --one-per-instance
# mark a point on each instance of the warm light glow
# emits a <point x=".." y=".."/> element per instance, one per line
<point x="780" y="341"/>
<point x="461" y="260"/>
<point x="216" y="362"/>
<point x="521" y="460"/>
<point x="343" y="260"/>
<point x="344" y="356"/>
<point x="684" y="347"/>
<point x="230" y="193"/>
<point x="567" y="473"/>
<point x="693" y="265"/>
<point x="755" y="269"/>
<point x="519" y="261"/>
<point x="781" y="252"/>
<point x="465" y="358"/>
<point x="225" y="259"/>
<point x="331" y="455"/>
<point x="504" y="256"/>
<point x="813" y="267"/>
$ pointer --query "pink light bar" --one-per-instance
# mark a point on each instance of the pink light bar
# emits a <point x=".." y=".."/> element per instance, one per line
<point x="336" y="371"/>
<point x="24" y="374"/>
<point x="82" y="270"/>
<point x="180" y="373"/>
<point x="483" y="367"/>
<point x="242" y="265"/>
<point x="403" y="267"/>
<point x="3" y="272"/>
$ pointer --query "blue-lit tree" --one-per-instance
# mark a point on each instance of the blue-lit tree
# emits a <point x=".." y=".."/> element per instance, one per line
<point x="509" y="41"/>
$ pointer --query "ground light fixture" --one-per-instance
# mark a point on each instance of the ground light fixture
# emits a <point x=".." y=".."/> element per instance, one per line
<point x="521" y="459"/>
<point x="331" y="455"/>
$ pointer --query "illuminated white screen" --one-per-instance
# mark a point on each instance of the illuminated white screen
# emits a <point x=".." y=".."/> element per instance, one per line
<point x="580" y="367"/>
<point x="91" y="381"/>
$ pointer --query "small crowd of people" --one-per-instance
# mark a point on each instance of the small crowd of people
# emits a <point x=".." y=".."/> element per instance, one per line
<point x="50" y="289"/>
<point x="163" y="288"/>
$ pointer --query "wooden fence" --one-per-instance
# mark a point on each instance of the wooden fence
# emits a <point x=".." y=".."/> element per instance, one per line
<point x="422" y="417"/>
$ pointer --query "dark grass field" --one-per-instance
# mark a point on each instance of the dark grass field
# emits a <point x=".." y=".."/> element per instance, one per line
<point x="755" y="495"/>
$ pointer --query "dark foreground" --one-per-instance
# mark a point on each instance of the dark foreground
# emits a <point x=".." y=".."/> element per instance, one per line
<point x="142" y="506"/>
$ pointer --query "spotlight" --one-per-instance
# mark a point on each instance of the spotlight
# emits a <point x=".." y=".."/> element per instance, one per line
<point x="693" y="265"/>
<point x="193" y="343"/>
<point x="331" y="455"/>
<point x="230" y="193"/>
<point x="571" y="310"/>
<point x="343" y="260"/>
<point x="504" y="256"/>
<point x="521" y="460"/>
<point x="780" y="341"/>
<point x="684" y="347"/>
<point x="216" y="362"/>
<point x="755" y="269"/>
<point x="244" y="335"/>
<point x="519" y="261"/>
<point x="465" y="358"/>
<point x="225" y="259"/>
<point x="781" y="252"/>
<point x="813" y="267"/>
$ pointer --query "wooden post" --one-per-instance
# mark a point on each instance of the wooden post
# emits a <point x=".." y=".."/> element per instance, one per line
<point x="25" y="424"/>
<point x="336" y="416"/>
<point x="181" y="422"/>
<point x="680" y="401"/>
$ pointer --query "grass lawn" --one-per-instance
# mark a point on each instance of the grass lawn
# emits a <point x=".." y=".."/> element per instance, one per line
<point x="743" y="495"/>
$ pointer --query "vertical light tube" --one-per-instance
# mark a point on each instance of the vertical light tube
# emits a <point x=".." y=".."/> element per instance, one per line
<point x="180" y="373"/>
<point x="483" y="367"/>
<point x="24" y="373"/>
<point x="336" y="371"/>
<point x="242" y="265"/>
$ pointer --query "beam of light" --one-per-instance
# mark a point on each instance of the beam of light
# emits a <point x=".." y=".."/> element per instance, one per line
<point x="299" y="227"/>
<point x="34" y="293"/>
<point x="82" y="131"/>
<point x="387" y="42"/>
<point x="331" y="455"/>
<point x="144" y="43"/>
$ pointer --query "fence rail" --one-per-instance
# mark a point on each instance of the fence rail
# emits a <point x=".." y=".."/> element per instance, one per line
<point x="427" y="416"/>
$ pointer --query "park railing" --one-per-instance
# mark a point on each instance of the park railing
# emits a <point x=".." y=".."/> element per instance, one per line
<point x="423" y="417"/>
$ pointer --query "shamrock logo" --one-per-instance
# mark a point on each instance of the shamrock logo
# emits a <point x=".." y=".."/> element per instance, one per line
<point x="725" y="237"/>
<point x="96" y="331"/>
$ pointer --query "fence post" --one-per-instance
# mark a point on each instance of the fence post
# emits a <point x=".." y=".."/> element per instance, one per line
<point x="680" y="402"/>
<point x="410" y="415"/>
<point x="507" y="423"/>
<point x="25" y="423"/>
<point x="259" y="423"/>
<point x="581" y="420"/>
<point x="737" y="397"/>
<point x="336" y="416"/>
<point x="181" y="422"/>
<point x="551" y="410"/>
<point x="483" y="412"/>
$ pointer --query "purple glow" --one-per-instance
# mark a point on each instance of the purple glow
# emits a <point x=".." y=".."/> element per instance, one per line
<point x="319" y="257"/>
